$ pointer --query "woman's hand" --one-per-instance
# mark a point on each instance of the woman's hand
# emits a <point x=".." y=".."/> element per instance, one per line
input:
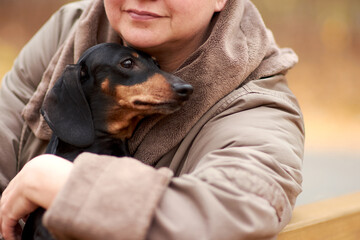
<point x="36" y="185"/>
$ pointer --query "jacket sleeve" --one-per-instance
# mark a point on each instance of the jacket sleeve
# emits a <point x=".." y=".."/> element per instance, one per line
<point x="19" y="84"/>
<point x="239" y="181"/>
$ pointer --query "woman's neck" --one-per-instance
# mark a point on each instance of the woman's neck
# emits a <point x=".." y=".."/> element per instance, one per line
<point x="171" y="61"/>
<point x="175" y="56"/>
<point x="171" y="56"/>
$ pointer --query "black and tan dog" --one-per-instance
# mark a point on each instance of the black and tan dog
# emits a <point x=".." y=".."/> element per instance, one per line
<point x="97" y="103"/>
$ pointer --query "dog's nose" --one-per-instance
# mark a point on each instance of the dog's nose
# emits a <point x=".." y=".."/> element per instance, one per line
<point x="183" y="90"/>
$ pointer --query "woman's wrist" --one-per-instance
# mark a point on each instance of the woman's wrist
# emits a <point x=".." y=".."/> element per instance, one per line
<point x="44" y="176"/>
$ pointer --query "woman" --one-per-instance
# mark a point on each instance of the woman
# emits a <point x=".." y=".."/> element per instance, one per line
<point x="226" y="166"/>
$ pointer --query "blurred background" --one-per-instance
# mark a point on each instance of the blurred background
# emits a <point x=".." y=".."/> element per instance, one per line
<point x="326" y="36"/>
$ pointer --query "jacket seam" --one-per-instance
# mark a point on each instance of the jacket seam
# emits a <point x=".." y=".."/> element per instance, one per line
<point x="279" y="96"/>
<point x="247" y="90"/>
<point x="259" y="190"/>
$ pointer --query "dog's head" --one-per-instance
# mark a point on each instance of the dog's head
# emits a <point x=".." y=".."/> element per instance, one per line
<point x="107" y="92"/>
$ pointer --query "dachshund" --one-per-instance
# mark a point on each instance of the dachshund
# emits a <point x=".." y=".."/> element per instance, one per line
<point x="97" y="103"/>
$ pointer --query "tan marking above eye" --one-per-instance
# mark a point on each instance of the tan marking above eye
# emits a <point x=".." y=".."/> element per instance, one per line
<point x="135" y="54"/>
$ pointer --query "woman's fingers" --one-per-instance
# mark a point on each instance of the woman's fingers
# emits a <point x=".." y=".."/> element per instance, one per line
<point x="13" y="206"/>
<point x="11" y="229"/>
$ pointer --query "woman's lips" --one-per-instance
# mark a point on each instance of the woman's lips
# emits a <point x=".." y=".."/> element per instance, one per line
<point x="142" y="15"/>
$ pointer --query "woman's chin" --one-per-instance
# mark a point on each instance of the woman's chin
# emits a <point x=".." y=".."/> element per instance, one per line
<point x="148" y="46"/>
<point x="144" y="39"/>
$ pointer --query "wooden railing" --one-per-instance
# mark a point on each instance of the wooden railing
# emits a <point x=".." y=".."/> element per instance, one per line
<point x="333" y="219"/>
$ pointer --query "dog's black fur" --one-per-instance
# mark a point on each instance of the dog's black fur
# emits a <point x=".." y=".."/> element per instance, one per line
<point x="96" y="104"/>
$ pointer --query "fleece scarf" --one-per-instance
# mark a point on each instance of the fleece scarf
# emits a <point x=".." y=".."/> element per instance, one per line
<point x="239" y="48"/>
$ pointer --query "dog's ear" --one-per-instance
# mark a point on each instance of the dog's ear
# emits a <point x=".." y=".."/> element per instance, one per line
<point x="67" y="111"/>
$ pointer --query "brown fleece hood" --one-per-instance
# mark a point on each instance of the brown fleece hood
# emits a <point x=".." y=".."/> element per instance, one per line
<point x="239" y="48"/>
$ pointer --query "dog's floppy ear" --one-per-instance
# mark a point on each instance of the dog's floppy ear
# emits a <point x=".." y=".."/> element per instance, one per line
<point x="67" y="111"/>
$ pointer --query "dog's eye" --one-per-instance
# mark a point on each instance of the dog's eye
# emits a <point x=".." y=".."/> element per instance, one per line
<point x="128" y="63"/>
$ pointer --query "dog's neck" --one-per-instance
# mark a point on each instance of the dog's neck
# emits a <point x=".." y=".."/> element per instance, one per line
<point x="102" y="146"/>
<point x="120" y="125"/>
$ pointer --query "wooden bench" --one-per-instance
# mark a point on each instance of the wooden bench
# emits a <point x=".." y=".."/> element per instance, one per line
<point x="333" y="219"/>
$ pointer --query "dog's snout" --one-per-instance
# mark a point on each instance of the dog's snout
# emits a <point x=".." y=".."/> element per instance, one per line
<point x="183" y="90"/>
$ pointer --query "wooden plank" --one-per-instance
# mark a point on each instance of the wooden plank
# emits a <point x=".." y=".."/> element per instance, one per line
<point x="332" y="219"/>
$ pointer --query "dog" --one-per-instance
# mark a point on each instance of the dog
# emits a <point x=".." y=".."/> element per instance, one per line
<point x="97" y="103"/>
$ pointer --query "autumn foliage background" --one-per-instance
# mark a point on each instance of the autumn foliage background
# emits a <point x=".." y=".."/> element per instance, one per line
<point x="324" y="33"/>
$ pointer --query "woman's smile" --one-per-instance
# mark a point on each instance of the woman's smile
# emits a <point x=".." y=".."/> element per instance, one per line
<point x="139" y="15"/>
